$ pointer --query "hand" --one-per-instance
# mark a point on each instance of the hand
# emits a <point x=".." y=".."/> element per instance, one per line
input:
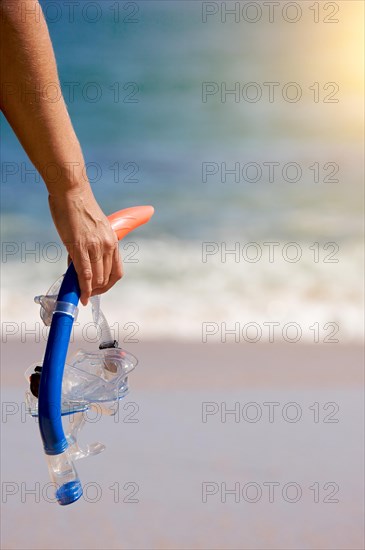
<point x="89" y="239"/>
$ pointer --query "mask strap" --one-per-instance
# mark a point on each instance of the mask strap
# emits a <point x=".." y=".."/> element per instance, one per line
<point x="106" y="339"/>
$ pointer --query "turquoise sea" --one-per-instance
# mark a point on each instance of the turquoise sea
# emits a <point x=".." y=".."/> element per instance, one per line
<point x="238" y="129"/>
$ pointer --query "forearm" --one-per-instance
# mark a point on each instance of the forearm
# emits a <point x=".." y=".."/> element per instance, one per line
<point x="37" y="115"/>
<point x="42" y="124"/>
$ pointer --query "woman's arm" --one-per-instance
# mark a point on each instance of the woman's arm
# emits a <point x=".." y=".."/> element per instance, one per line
<point x="41" y="122"/>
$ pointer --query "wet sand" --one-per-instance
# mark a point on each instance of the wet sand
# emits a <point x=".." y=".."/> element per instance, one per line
<point x="172" y="478"/>
<point x="191" y="365"/>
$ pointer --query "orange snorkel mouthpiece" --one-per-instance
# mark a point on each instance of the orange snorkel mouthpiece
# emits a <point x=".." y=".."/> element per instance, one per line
<point x="126" y="220"/>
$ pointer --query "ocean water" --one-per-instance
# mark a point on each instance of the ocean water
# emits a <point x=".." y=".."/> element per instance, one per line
<point x="148" y="89"/>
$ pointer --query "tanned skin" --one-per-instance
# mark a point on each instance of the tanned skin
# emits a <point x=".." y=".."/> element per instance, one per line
<point x="40" y="120"/>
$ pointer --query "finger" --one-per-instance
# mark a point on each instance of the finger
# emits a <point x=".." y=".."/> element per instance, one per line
<point x="97" y="265"/>
<point x="108" y="262"/>
<point x="84" y="274"/>
<point x="116" y="273"/>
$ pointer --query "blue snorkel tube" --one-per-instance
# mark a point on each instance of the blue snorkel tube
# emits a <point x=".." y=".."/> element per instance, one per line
<point x="60" y="464"/>
<point x="61" y="468"/>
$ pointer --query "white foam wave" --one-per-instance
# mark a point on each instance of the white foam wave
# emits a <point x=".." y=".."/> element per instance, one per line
<point x="170" y="293"/>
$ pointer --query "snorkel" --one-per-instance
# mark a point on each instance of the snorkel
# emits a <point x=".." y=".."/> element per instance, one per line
<point x="92" y="378"/>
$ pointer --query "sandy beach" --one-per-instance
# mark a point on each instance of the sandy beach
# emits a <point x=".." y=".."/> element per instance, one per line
<point x="181" y="471"/>
<point x="241" y="123"/>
